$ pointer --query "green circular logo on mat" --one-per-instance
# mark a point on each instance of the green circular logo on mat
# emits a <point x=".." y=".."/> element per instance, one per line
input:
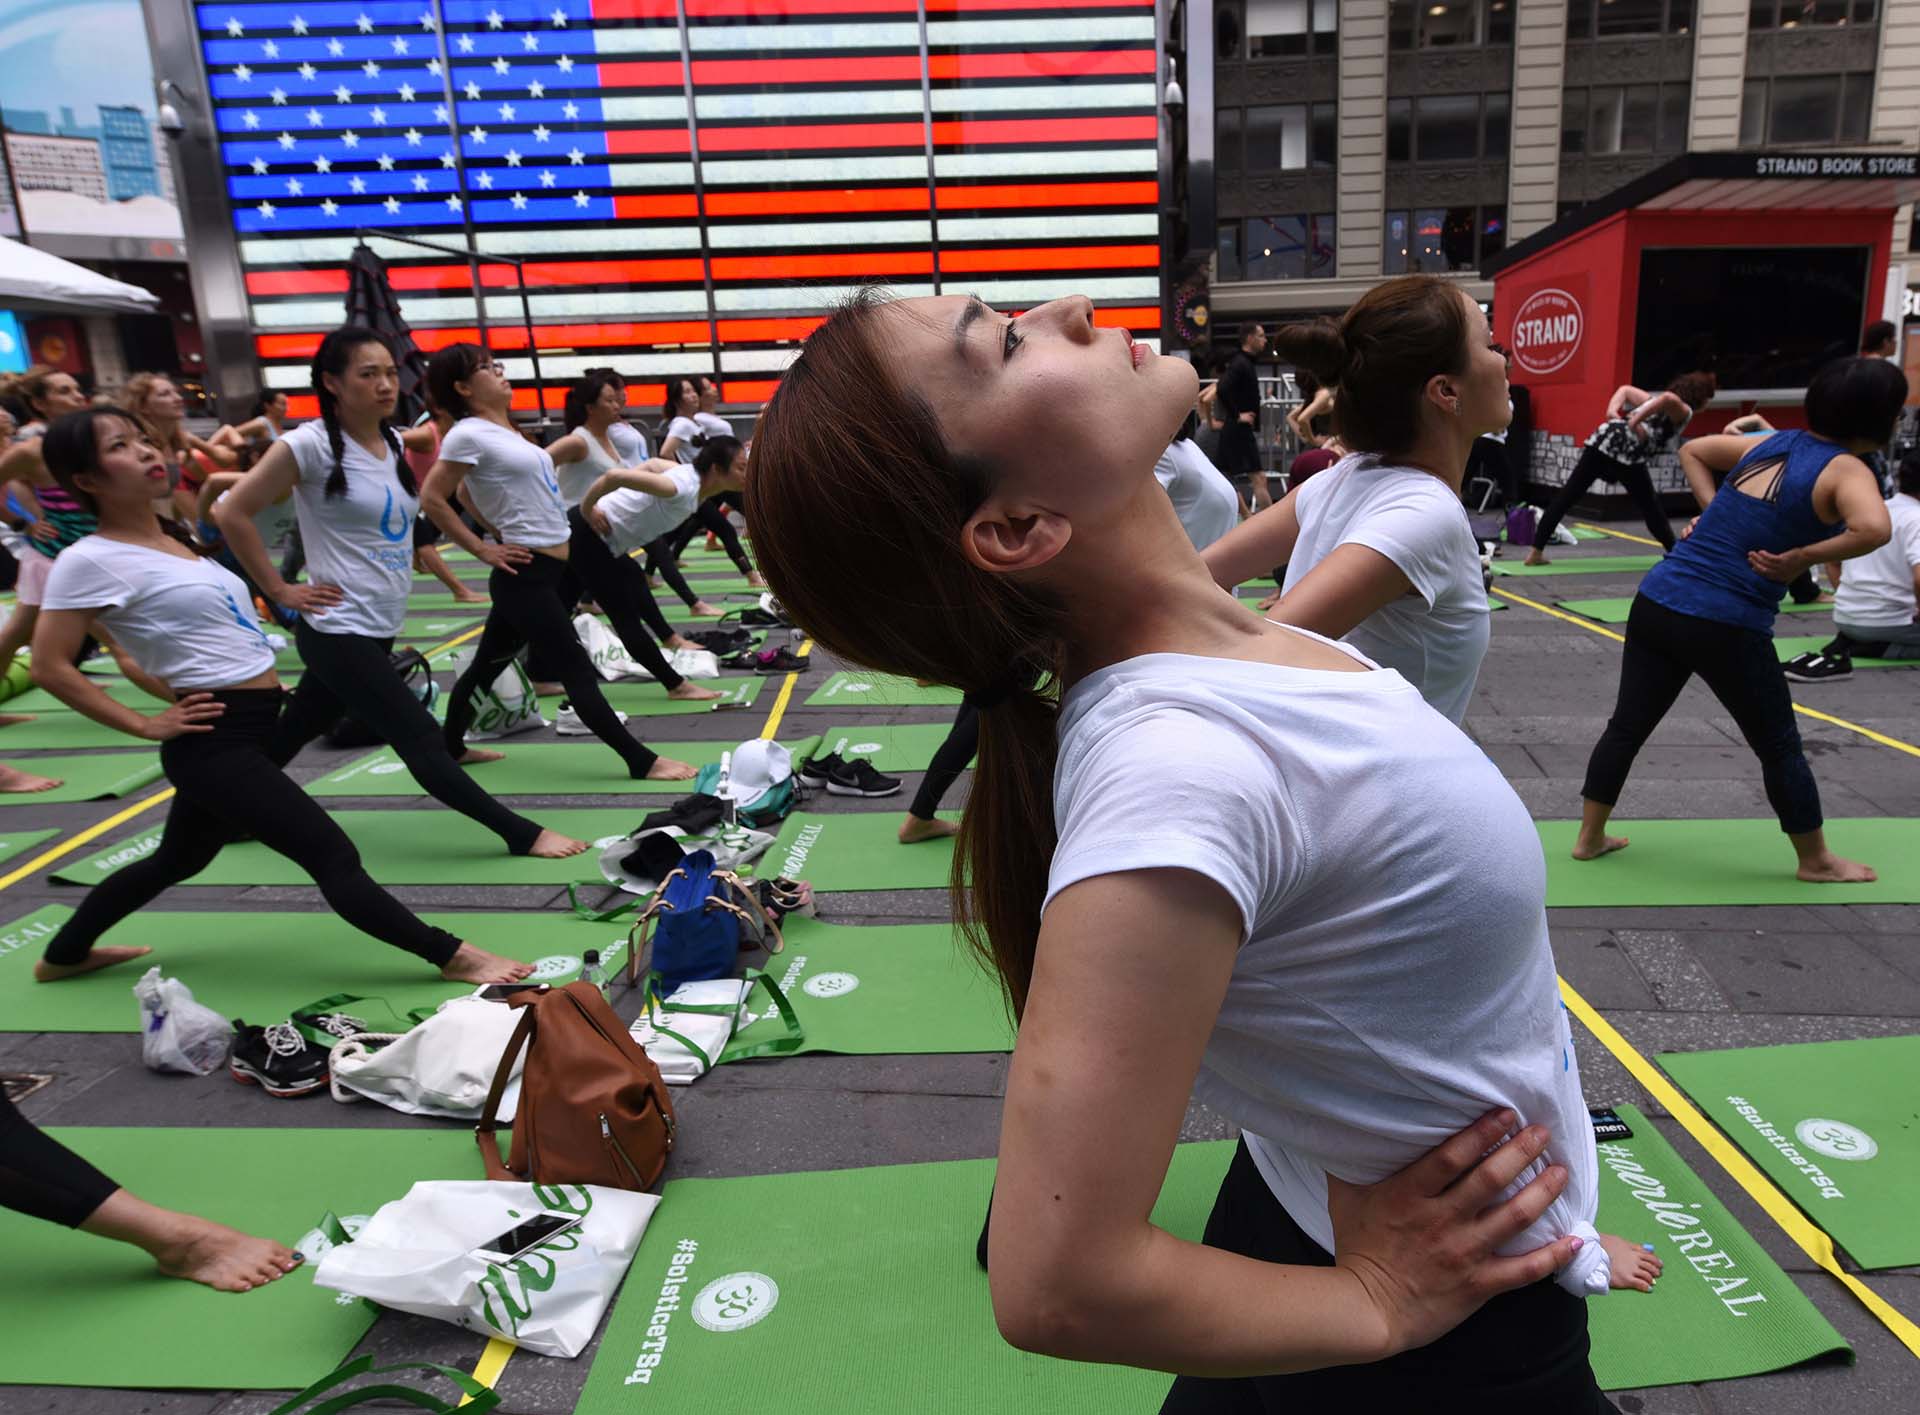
<point x="559" y="965"/>
<point x="736" y="1301"/>
<point x="830" y="985"/>
<point x="1836" y="1139"/>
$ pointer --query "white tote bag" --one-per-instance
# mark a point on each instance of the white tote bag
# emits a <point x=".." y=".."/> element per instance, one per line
<point x="610" y="657"/>
<point x="442" y="1067"/>
<point x="416" y="1255"/>
<point x="506" y="706"/>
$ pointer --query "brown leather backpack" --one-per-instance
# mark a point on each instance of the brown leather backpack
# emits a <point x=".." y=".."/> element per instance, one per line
<point x="593" y="1108"/>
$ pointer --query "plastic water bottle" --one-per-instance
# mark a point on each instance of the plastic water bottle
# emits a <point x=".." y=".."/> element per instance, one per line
<point x="592" y="972"/>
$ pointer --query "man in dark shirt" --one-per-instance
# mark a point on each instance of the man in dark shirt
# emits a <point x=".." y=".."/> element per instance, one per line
<point x="1238" y="402"/>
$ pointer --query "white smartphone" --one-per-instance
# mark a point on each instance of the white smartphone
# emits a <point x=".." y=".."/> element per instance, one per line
<point x="525" y="1236"/>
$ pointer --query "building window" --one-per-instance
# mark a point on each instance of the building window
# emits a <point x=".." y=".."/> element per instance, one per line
<point x="1227" y="156"/>
<point x="1635" y="118"/>
<point x="1623" y="19"/>
<point x="1500" y="21"/>
<point x="1494" y="141"/>
<point x="1277" y="138"/>
<point x="1289" y="247"/>
<point x="1442" y="238"/>
<point x="1448" y="127"/>
<point x="1399" y="130"/>
<point x="1227" y="245"/>
<point x="1805" y="109"/>
<point x="1288" y="29"/>
<point x="1434" y="24"/>
<point x="1802" y="14"/>
<point x="1323" y="141"/>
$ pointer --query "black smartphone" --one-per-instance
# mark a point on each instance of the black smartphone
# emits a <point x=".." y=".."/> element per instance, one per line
<point x="1608" y="1126"/>
<point x="500" y="992"/>
<point x="531" y="1233"/>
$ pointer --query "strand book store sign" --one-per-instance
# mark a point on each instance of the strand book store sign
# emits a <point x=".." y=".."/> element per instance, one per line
<point x="665" y="200"/>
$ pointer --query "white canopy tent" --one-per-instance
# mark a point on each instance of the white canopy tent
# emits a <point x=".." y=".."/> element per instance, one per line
<point x="33" y="282"/>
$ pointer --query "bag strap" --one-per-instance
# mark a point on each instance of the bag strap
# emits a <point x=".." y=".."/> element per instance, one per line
<point x="639" y="935"/>
<point x="795" y="1038"/>
<point x="589" y="913"/>
<point x="489" y="1123"/>
<point x="478" y="1399"/>
<point x="654" y="1005"/>
<point x="352" y="1049"/>
<point x="739" y="886"/>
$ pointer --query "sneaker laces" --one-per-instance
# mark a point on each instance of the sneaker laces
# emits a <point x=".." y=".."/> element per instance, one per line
<point x="340" y="1024"/>
<point x="284" y="1039"/>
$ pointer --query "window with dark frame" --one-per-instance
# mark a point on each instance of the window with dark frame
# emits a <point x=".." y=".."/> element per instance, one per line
<point x="1614" y="119"/>
<point x="1445" y="24"/>
<point x="1289" y="247"/>
<point x="1809" y="14"/>
<point x="1440" y="239"/>
<point x="1227" y="153"/>
<point x="1276" y="137"/>
<point x="1227" y="248"/>
<point x="1291" y="29"/>
<point x="1806" y="109"/>
<point x="1628" y="19"/>
<point x="1449" y="127"/>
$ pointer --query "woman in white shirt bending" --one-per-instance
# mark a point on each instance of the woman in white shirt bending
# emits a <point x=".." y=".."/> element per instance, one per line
<point x="514" y="490"/>
<point x="1254" y="870"/>
<point x="183" y="622"/>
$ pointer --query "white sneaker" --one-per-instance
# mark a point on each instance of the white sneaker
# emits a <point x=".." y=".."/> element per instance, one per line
<point x="568" y="724"/>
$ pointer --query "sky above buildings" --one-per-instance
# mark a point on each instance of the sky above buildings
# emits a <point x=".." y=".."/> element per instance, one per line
<point x="73" y="53"/>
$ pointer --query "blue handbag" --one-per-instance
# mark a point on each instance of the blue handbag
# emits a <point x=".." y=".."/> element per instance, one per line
<point x="697" y="921"/>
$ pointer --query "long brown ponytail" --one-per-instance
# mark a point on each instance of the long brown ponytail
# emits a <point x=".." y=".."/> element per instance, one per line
<point x="855" y="503"/>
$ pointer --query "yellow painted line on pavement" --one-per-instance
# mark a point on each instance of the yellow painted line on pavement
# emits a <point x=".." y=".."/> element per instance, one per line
<point x="1619" y="535"/>
<point x="92" y="832"/>
<point x="492" y="1362"/>
<point x="786" y="695"/>
<point x="1811" y="1238"/>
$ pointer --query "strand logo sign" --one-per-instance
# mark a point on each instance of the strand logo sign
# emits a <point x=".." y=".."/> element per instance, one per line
<point x="1547" y="329"/>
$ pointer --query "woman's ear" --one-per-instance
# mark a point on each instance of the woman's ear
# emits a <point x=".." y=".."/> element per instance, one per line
<point x="1001" y="544"/>
<point x="1443" y="393"/>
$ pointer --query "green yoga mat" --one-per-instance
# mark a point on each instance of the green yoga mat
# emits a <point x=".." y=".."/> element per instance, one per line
<point x="580" y="767"/>
<point x="1614" y="611"/>
<point x="432" y="846"/>
<point x="859" y="850"/>
<point x="639" y="698"/>
<point x="900" y="747"/>
<point x="261" y="966"/>
<point x="1835" y="1124"/>
<point x="1722" y="1308"/>
<point x="1727" y="862"/>
<point x="1579" y="565"/>
<point x="879" y="690"/>
<point x="18" y="842"/>
<point x="119" y="689"/>
<point x="433" y="628"/>
<point x="895" y="990"/>
<point x="58" y="730"/>
<point x="1792" y="646"/>
<point x="84" y="1311"/>
<point x="98" y="777"/>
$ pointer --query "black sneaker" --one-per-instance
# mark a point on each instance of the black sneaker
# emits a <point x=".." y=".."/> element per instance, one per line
<point x="1818" y="668"/>
<point x="858" y="778"/>
<point x="326" y="1028"/>
<point x="780" y="660"/>
<point x="277" y="1059"/>
<point x="816" y="771"/>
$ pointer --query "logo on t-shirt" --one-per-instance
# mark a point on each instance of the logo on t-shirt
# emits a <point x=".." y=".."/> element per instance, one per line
<point x="402" y="524"/>
<point x="245" y="621"/>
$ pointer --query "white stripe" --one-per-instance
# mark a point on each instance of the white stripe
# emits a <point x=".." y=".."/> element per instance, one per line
<point x="1044" y="228"/>
<point x="756" y="360"/>
<point x="501" y="309"/>
<point x="817" y="169"/>
<point x="799" y="299"/>
<point x="941" y="33"/>
<point x="286" y="376"/>
<point x="652" y="174"/>
<point x="323" y="250"/>
<point x="630" y="109"/>
<point x="1039" y="164"/>
<point x="803" y="104"/>
<point x="1042" y="288"/>
<point x="1052" y="98"/>
<point x="709" y="39"/>
<point x="554" y="368"/>
<point x="662" y="40"/>
<point x="821" y="233"/>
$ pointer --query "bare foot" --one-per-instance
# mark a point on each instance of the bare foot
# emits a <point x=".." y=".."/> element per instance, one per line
<point x="549" y="690"/>
<point x="476" y="965"/>
<point x="913" y="830"/>
<point x="700" y="606"/>
<point x="99" y="956"/>
<point x="11" y="719"/>
<point x="678" y="642"/>
<point x="25" y="781"/>
<point x="222" y="1258"/>
<point x="1536" y="556"/>
<point x="756" y="579"/>
<point x="464" y="596"/>
<point x="691" y="692"/>
<point x="1269" y="602"/>
<point x="667" y="769"/>
<point x="1633" y="1266"/>
<point x="1833" y="869"/>
<point x="480" y="756"/>
<point x="1585" y="849"/>
<point x="552" y="845"/>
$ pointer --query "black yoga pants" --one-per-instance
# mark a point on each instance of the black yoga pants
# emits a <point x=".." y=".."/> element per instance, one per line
<point x="619" y="587"/>
<point x="1596" y="466"/>
<point x="662" y="559"/>
<point x="527" y="608"/>
<point x="354" y="674"/>
<point x="1524" y="1350"/>
<point x="1664" y="649"/>
<point x="949" y="760"/>
<point x="711" y="516"/>
<point x="41" y="1177"/>
<point x="227" y="785"/>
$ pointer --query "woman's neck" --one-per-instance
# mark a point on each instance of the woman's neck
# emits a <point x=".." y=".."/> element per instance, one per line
<point x="134" y="522"/>
<point x="493" y="415"/>
<point x="363" y="428"/>
<point x="1440" y="451"/>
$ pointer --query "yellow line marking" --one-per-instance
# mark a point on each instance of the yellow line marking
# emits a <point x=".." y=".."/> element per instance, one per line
<point x="92" y="832"/>
<point x="1894" y="742"/>
<point x="1810" y="1237"/>
<point x="786" y="694"/>
<point x="492" y="1362"/>
<point x="455" y="642"/>
<point x="1622" y="535"/>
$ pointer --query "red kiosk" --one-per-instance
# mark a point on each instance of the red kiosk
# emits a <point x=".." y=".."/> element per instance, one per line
<point x="1759" y="267"/>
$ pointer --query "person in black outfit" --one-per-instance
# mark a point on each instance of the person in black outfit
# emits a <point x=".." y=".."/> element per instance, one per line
<point x="1237" y="400"/>
<point x="949" y="760"/>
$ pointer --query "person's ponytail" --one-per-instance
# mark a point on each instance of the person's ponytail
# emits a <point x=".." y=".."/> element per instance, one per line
<point x="1315" y="345"/>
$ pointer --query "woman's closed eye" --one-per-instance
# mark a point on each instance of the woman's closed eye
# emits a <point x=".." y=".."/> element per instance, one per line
<point x="1011" y="342"/>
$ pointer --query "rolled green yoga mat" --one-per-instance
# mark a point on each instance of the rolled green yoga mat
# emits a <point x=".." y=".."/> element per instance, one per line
<point x="83" y="1311"/>
<point x="1835" y="1124"/>
<point x="894" y="990"/>
<point x="639" y="698"/>
<point x="1579" y="565"/>
<point x="1727" y="862"/>
<point x="899" y="747"/>
<point x="858" y="850"/>
<point x="879" y="690"/>
<point x="18" y="842"/>
<point x="432" y="846"/>
<point x="58" y="730"/>
<point x="579" y="767"/>
<point x="1792" y="646"/>
<point x="17" y="679"/>
<point x="262" y="966"/>
<point x="1614" y="611"/>
<point x="97" y="777"/>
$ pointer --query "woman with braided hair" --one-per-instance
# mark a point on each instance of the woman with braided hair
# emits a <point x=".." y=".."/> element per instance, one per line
<point x="356" y="499"/>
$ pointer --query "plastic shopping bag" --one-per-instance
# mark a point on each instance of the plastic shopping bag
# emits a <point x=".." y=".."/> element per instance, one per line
<point x="610" y="657"/>
<point x="177" y="1033"/>
<point x="416" y="1255"/>
<point x="442" y="1067"/>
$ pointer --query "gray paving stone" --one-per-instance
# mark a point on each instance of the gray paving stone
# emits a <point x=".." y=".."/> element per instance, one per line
<point x="1807" y="973"/>
<point x="1602" y="972"/>
<point x="1678" y="980"/>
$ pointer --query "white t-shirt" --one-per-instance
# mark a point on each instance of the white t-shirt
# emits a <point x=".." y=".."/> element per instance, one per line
<point x="1390" y="989"/>
<point x="629" y="443"/>
<point x="576" y="478"/>
<point x="184" y="619"/>
<point x="273" y="520"/>
<point x="1203" y="499"/>
<point x="512" y="481"/>
<point x="1876" y="589"/>
<point x="362" y="541"/>
<point x="1436" y="635"/>
<point x="713" y="425"/>
<point x="637" y="518"/>
<point x="692" y="438"/>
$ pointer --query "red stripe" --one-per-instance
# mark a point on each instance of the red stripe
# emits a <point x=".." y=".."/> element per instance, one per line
<point x="1128" y="317"/>
<point x="793" y="137"/>
<point x="768" y="331"/>
<point x="805" y="203"/>
<point x="297" y="282"/>
<point x="632" y="208"/>
<point x="782" y="9"/>
<point x="1076" y="63"/>
<point x="640" y="73"/>
<point x="508" y="338"/>
<point x="855" y="265"/>
<point x="955" y="7"/>
<point x="742" y="390"/>
<point x="1040" y="194"/>
<point x="629" y="141"/>
<point x="634" y="10"/>
<point x="1049" y="258"/>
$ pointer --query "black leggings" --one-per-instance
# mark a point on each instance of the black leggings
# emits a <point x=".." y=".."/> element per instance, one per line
<point x="1665" y="649"/>
<point x="619" y="587"/>
<point x="1524" y="1350"/>
<point x="1596" y="466"/>
<point x="227" y="785"/>
<point x="662" y="561"/>
<point x="527" y="607"/>
<point x="711" y="515"/>
<point x="41" y="1177"/>
<point x="949" y="760"/>
<point x="353" y="674"/>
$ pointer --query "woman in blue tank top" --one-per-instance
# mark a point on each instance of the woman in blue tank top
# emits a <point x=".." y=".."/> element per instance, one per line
<point x="1791" y="500"/>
